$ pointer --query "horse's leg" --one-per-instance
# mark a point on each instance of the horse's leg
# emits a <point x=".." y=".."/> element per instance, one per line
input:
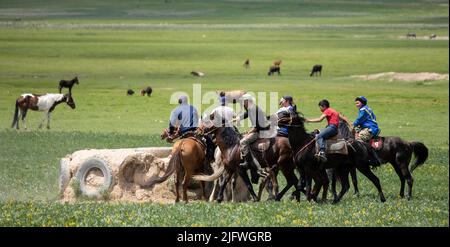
<point x="202" y="185"/>
<point x="213" y="192"/>
<point x="343" y="177"/>
<point x="60" y="88"/>
<point x="43" y="119"/>
<point x="365" y="170"/>
<point x="354" y="181"/>
<point x="177" y="185"/>
<point x="48" y="120"/>
<point x="407" y="175"/>
<point x="24" y="119"/>
<point x="186" y="179"/>
<point x="326" y="183"/>
<point x="223" y="185"/>
<point x="400" y="176"/>
<point x="247" y="182"/>
<point x="262" y="185"/>
<point x="291" y="180"/>
<point x="308" y="181"/>
<point x="233" y="187"/>
<point x="332" y="176"/>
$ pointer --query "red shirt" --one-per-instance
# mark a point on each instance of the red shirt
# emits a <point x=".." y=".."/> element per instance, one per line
<point x="332" y="116"/>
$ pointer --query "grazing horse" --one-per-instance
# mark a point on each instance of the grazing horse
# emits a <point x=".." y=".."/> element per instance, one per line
<point x="399" y="153"/>
<point x="411" y="35"/>
<point x="247" y="63"/>
<point x="274" y="69"/>
<point x="147" y="90"/>
<point x="187" y="159"/>
<point x="36" y="102"/>
<point x="358" y="155"/>
<point x="130" y="92"/>
<point x="316" y="69"/>
<point x="68" y="84"/>
<point x="433" y="36"/>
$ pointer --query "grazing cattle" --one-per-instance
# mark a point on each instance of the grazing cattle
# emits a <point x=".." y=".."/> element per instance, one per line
<point x="316" y="69"/>
<point x="147" y="90"/>
<point x="197" y="73"/>
<point x="277" y="63"/>
<point x="274" y="69"/>
<point x="247" y="63"/>
<point x="36" y="102"/>
<point x="130" y="92"/>
<point x="68" y="84"/>
<point x="433" y="36"/>
<point x="411" y="36"/>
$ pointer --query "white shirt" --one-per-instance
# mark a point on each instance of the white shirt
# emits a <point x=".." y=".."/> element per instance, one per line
<point x="223" y="114"/>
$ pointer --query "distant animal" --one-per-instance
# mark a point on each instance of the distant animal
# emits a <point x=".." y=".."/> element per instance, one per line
<point x="37" y="102"/>
<point x="68" y="84"/>
<point x="411" y="35"/>
<point x="274" y="69"/>
<point x="197" y="73"/>
<point x="433" y="36"/>
<point x="277" y="63"/>
<point x="130" y="92"/>
<point x="247" y="63"/>
<point x="147" y="90"/>
<point x="316" y="69"/>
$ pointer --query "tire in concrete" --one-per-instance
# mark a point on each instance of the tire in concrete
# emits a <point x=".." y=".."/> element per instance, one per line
<point x="86" y="167"/>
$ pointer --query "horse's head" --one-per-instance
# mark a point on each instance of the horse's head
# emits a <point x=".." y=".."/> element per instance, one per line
<point x="75" y="80"/>
<point x="290" y="118"/>
<point x="69" y="100"/>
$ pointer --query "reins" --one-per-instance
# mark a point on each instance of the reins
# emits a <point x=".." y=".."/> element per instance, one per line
<point x="304" y="147"/>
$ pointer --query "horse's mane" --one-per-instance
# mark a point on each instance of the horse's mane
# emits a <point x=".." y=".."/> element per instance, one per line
<point x="344" y="130"/>
<point x="229" y="136"/>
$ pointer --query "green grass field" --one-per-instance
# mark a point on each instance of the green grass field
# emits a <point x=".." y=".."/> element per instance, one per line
<point x="133" y="44"/>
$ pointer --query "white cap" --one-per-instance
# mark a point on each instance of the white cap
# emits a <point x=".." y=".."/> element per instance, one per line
<point x="248" y="97"/>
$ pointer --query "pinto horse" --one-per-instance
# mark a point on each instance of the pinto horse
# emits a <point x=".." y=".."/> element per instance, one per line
<point x="399" y="153"/>
<point x="68" y="84"/>
<point x="359" y="155"/>
<point x="36" y="102"/>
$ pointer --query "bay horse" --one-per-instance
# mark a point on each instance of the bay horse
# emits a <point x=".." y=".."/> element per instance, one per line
<point x="187" y="159"/>
<point x="316" y="69"/>
<point x="399" y="153"/>
<point x="360" y="155"/>
<point x="37" y="102"/>
<point x="277" y="63"/>
<point x="68" y="84"/>
<point x="147" y="90"/>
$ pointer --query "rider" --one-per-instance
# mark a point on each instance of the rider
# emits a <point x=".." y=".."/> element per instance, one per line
<point x="366" y="125"/>
<point x="258" y="121"/>
<point x="287" y="105"/>
<point x="331" y="130"/>
<point x="185" y="117"/>
<point x="222" y="115"/>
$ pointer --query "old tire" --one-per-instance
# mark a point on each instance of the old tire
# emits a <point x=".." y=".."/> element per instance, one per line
<point x="83" y="171"/>
<point x="64" y="175"/>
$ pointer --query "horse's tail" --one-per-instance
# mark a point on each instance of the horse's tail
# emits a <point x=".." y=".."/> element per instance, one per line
<point x="16" y="114"/>
<point x="175" y="161"/>
<point x="216" y="174"/>
<point x="421" y="153"/>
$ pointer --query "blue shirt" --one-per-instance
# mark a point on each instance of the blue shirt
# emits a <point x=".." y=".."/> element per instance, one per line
<point x="185" y="116"/>
<point x="367" y="119"/>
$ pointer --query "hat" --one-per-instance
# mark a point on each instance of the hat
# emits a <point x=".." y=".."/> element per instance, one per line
<point x="361" y="99"/>
<point x="286" y="98"/>
<point x="248" y="97"/>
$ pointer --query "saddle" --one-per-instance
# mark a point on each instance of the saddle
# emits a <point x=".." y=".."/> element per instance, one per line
<point x="262" y="144"/>
<point x="335" y="145"/>
<point x="376" y="143"/>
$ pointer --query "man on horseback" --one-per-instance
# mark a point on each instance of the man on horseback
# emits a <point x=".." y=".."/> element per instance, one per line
<point x="331" y="130"/>
<point x="287" y="105"/>
<point x="222" y="115"/>
<point x="258" y="122"/>
<point x="365" y="125"/>
<point x="185" y="117"/>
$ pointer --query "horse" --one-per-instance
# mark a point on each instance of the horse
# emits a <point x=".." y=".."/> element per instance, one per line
<point x="277" y="63"/>
<point x="197" y="73"/>
<point x="316" y="69"/>
<point x="358" y="155"/>
<point x="147" y="90"/>
<point x="130" y="92"/>
<point x="68" y="84"/>
<point x="187" y="159"/>
<point x="37" y="102"/>
<point x="274" y="69"/>
<point x="247" y="63"/>
<point x="399" y="153"/>
<point x="433" y="36"/>
<point x="411" y="35"/>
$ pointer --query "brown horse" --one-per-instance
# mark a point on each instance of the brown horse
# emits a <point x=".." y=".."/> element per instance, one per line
<point x="277" y="63"/>
<point x="37" y="102"/>
<point x="188" y="157"/>
<point x="147" y="90"/>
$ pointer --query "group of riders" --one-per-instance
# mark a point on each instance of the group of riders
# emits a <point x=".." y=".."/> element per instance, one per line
<point x="184" y="121"/>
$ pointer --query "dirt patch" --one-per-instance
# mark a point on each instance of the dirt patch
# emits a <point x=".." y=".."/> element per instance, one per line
<point x="394" y="76"/>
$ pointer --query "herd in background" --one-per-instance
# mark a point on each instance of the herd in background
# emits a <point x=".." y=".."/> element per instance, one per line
<point x="414" y="36"/>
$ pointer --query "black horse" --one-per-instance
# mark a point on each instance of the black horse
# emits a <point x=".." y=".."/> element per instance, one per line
<point x="274" y="69"/>
<point x="130" y="92"/>
<point x="147" y="90"/>
<point x="316" y="69"/>
<point x="359" y="155"/>
<point x="68" y="84"/>
<point x="399" y="153"/>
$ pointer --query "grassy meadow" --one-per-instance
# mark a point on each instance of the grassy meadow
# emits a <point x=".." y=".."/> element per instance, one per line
<point x="133" y="44"/>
